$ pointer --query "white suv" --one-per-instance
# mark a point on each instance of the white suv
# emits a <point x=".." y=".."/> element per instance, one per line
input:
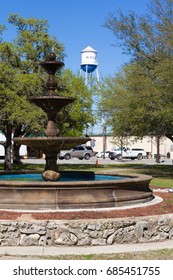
<point x="134" y="153"/>
<point x="81" y="152"/>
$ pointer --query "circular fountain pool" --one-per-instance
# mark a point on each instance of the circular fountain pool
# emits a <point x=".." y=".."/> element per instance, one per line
<point x="75" y="190"/>
<point x="65" y="177"/>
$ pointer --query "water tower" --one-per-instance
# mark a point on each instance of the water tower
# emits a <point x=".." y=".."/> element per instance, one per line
<point x="89" y="70"/>
<point x="89" y="64"/>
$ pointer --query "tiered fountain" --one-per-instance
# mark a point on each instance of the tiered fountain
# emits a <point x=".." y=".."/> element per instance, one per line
<point x="66" y="190"/>
<point x="51" y="104"/>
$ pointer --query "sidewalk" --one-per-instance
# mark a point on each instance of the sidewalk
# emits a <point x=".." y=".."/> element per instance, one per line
<point x="41" y="251"/>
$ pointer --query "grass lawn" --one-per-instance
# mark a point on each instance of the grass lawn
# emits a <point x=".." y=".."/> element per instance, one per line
<point x="163" y="254"/>
<point x="162" y="183"/>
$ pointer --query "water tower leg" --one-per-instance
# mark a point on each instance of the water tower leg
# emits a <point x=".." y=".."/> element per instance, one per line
<point x="97" y="74"/>
<point x="86" y="75"/>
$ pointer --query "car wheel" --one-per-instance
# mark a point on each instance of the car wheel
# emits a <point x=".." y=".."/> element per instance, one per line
<point x="139" y="156"/>
<point x="67" y="156"/>
<point x="87" y="156"/>
<point x="112" y="158"/>
<point x="119" y="157"/>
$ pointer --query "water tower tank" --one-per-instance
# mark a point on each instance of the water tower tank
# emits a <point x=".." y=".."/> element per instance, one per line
<point x="89" y="64"/>
<point x="88" y="59"/>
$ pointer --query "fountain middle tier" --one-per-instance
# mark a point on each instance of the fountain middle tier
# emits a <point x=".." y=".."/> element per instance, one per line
<point x="51" y="145"/>
<point x="51" y="103"/>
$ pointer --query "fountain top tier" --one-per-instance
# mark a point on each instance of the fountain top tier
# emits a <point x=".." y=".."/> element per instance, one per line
<point x="51" y="65"/>
<point x="52" y="102"/>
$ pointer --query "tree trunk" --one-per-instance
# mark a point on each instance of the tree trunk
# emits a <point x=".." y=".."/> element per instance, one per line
<point x="8" y="148"/>
<point x="16" y="154"/>
<point x="16" y="147"/>
<point x="158" y="149"/>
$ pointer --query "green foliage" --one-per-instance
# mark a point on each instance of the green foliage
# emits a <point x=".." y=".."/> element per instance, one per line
<point x="2" y="28"/>
<point x="33" y="40"/>
<point x="76" y="114"/>
<point x="22" y="77"/>
<point x="146" y="37"/>
<point x="139" y="99"/>
<point x="15" y="88"/>
<point x="135" y="104"/>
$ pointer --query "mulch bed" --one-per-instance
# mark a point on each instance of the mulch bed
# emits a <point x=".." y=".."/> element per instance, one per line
<point x="165" y="207"/>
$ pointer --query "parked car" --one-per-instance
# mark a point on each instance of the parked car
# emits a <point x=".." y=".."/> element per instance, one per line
<point x="113" y="154"/>
<point x="102" y="154"/>
<point x="133" y="153"/>
<point x="80" y="151"/>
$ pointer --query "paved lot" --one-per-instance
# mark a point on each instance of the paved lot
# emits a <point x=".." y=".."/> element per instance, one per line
<point x="93" y="160"/>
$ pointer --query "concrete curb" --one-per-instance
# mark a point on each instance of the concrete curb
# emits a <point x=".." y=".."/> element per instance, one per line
<point x="72" y="250"/>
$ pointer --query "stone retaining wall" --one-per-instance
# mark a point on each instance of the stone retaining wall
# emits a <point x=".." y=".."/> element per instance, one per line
<point x="86" y="232"/>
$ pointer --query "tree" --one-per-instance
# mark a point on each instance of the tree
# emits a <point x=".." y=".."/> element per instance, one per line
<point x="21" y="77"/>
<point x="145" y="85"/>
<point x="20" y="60"/>
<point x="136" y="107"/>
<point x="73" y="119"/>
<point x="16" y="112"/>
<point x="146" y="38"/>
<point x="34" y="43"/>
<point x="135" y="100"/>
<point x="33" y="40"/>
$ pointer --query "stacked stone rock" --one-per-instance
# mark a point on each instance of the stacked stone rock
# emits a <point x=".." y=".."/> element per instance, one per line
<point x="88" y="232"/>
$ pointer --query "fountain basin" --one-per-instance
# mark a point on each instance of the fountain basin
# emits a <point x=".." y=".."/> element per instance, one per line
<point x="84" y="193"/>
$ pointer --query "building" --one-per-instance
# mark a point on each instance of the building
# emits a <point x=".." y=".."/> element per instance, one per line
<point x="147" y="143"/>
<point x="23" y="148"/>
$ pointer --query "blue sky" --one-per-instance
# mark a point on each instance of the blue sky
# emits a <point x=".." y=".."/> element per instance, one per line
<point x="76" y="24"/>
